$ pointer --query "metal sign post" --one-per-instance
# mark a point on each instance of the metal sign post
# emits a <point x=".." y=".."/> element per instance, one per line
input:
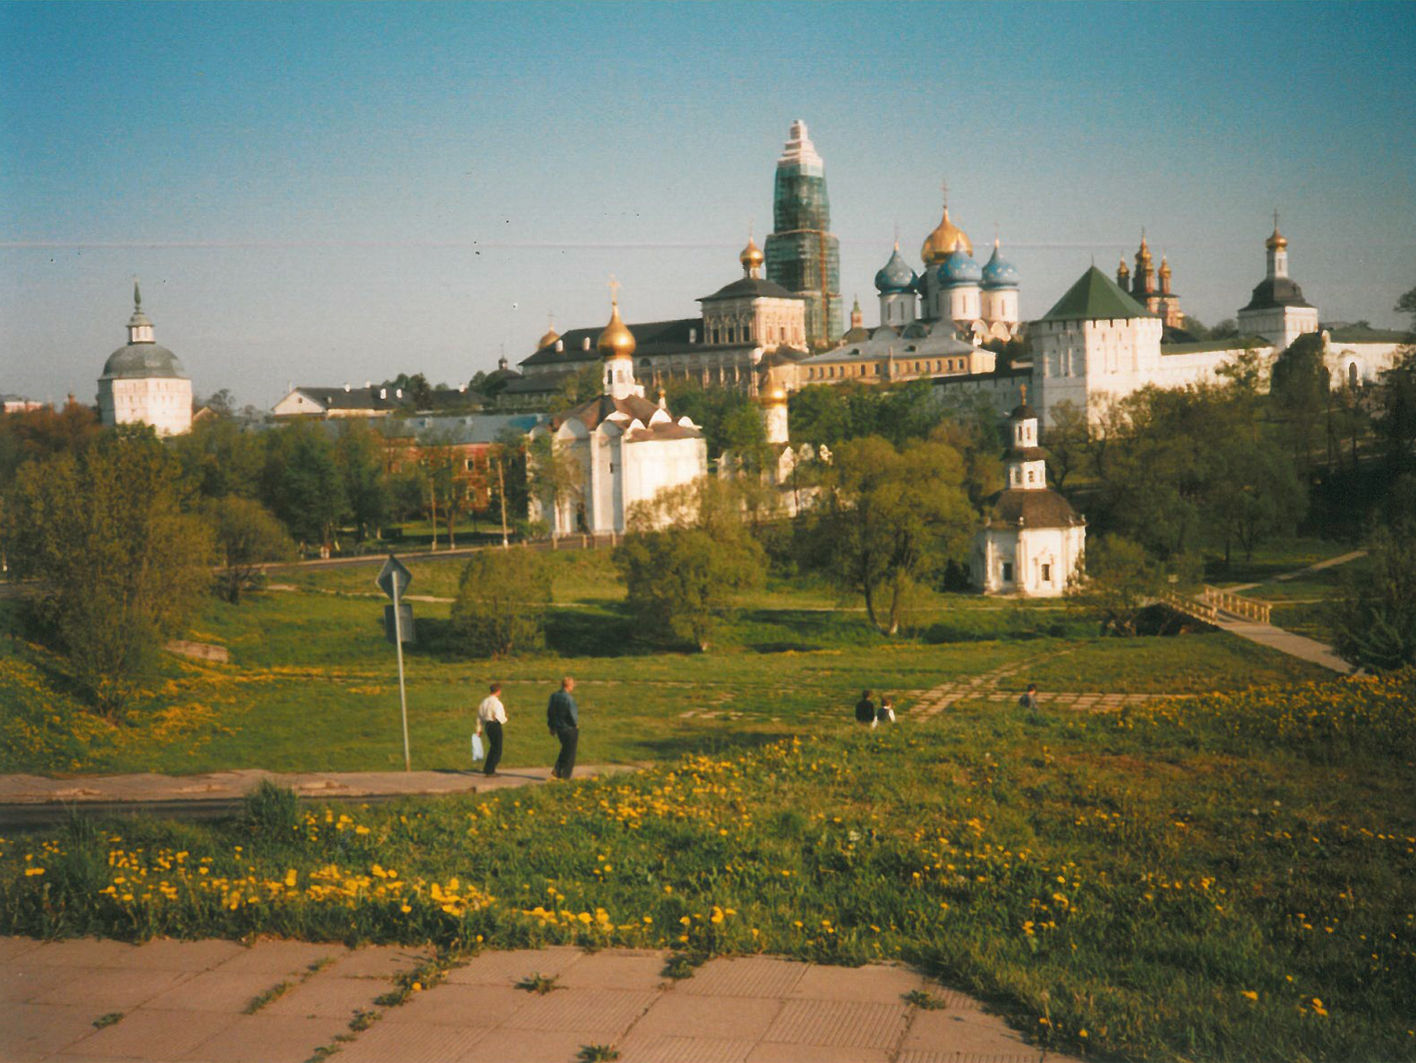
<point x="393" y="579"/>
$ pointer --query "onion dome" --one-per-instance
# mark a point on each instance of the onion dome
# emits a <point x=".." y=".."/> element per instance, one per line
<point x="998" y="272"/>
<point x="616" y="341"/>
<point x="959" y="269"/>
<point x="548" y="337"/>
<point x="1123" y="271"/>
<point x="775" y="396"/>
<point x="896" y="275"/>
<point x="1277" y="241"/>
<point x="1164" y="266"/>
<point x="751" y="258"/>
<point x="943" y="241"/>
<point x="1144" y="254"/>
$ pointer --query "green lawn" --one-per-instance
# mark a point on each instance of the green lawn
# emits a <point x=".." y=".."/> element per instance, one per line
<point x="312" y="683"/>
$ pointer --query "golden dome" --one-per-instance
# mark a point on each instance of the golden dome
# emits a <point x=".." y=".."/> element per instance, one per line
<point x="550" y="337"/>
<point x="751" y="257"/>
<point x="1277" y="240"/>
<point x="1144" y="254"/>
<point x="1123" y="268"/>
<point x="616" y="341"/>
<point x="943" y="241"/>
<point x="1164" y="266"/>
<point x="776" y="396"/>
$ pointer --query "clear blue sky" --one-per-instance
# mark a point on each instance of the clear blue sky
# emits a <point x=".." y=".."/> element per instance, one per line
<point x="322" y="193"/>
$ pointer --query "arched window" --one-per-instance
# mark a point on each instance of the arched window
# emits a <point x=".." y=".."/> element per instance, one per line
<point x="1352" y="378"/>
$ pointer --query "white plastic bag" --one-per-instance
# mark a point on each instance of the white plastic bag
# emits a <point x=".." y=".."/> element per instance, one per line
<point x="477" y="751"/>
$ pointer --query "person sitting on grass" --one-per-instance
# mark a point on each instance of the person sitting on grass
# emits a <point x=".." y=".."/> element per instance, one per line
<point x="886" y="713"/>
<point x="865" y="709"/>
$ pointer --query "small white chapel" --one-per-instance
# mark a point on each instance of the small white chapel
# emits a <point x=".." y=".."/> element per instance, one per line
<point x="1032" y="541"/>
<point x="622" y="447"/>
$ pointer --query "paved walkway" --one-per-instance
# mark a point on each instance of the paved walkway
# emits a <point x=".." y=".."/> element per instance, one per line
<point x="291" y="1002"/>
<point x="1286" y="642"/>
<point x="1005" y="685"/>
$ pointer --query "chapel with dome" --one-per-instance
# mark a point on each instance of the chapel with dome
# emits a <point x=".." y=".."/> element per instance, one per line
<point x="619" y="448"/>
<point x="143" y="382"/>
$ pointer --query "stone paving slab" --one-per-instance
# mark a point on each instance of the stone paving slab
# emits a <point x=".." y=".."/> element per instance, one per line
<point x="685" y="1050"/>
<point x="154" y="1035"/>
<point x="110" y="989"/>
<point x="264" y="1038"/>
<point x="779" y="1052"/>
<point x="606" y="1012"/>
<point x="458" y="1005"/>
<point x="749" y="976"/>
<point x="510" y="967"/>
<point x="617" y="969"/>
<point x="42" y="1029"/>
<point x="411" y="1043"/>
<point x="679" y="1014"/>
<point x="528" y="1046"/>
<point x="328" y="997"/>
<point x="844" y="1024"/>
<point x="378" y="961"/>
<point x="972" y="1033"/>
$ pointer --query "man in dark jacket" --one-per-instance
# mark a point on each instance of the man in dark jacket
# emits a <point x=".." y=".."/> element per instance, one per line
<point x="563" y="719"/>
<point x="865" y="708"/>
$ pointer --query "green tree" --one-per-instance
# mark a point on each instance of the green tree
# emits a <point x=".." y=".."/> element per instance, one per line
<point x="1067" y="441"/>
<point x="28" y="435"/>
<point x="122" y="566"/>
<point x="301" y="485"/>
<point x="891" y="517"/>
<point x="501" y="602"/>
<point x="579" y="386"/>
<point x="220" y="456"/>
<point x="247" y="536"/>
<point x="1374" y="620"/>
<point x="556" y="477"/>
<point x="686" y="558"/>
<point x="818" y="414"/>
<point x="359" y="456"/>
<point x="1301" y="392"/>
<point x="1120" y="581"/>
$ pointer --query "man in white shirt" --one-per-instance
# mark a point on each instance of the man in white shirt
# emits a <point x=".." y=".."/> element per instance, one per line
<point x="491" y="714"/>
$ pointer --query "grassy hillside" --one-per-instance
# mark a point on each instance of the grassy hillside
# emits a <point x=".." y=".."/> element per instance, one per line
<point x="1230" y="877"/>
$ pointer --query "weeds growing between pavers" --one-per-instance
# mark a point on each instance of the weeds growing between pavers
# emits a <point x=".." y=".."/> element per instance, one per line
<point x="1221" y="878"/>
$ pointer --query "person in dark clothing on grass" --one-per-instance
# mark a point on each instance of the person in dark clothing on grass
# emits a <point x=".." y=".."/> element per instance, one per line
<point x="563" y="719"/>
<point x="865" y="708"/>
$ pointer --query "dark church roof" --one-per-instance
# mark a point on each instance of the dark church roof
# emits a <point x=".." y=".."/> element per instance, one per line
<point x="1274" y="292"/>
<point x="650" y="337"/>
<point x="753" y="286"/>
<point x="139" y="360"/>
<point x="1034" y="508"/>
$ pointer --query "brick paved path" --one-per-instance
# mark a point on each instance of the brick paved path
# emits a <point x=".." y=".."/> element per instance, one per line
<point x="290" y="1002"/>
<point x="1004" y="685"/>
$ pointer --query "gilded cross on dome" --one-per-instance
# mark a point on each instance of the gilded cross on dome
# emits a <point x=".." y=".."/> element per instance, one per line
<point x="614" y="289"/>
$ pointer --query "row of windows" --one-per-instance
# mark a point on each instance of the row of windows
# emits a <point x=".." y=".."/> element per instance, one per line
<point x="859" y="369"/>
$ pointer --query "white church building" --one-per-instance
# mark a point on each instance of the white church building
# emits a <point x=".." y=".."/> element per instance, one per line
<point x="622" y="447"/>
<point x="143" y="382"/>
<point x="1032" y="541"/>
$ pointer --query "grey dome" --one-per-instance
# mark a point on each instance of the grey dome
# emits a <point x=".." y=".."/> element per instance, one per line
<point x="138" y="360"/>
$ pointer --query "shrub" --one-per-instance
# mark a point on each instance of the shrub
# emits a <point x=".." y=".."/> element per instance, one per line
<point x="500" y="605"/>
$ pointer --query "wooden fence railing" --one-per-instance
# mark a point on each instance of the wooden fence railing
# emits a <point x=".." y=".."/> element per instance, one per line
<point x="1238" y="605"/>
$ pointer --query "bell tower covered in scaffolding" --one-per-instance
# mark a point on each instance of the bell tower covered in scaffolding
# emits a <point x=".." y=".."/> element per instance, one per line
<point x="803" y="255"/>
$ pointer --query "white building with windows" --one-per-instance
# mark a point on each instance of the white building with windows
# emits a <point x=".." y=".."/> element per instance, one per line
<point x="143" y="382"/>
<point x="1033" y="541"/>
<point x="621" y="447"/>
